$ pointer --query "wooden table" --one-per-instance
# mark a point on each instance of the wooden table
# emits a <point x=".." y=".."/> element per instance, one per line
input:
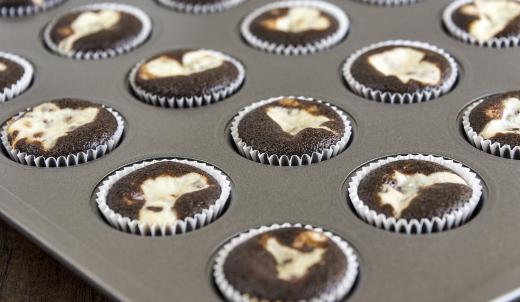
<point x="28" y="274"/>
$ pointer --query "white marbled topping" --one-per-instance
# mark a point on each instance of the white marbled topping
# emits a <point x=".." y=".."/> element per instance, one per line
<point x="509" y="121"/>
<point x="38" y="2"/>
<point x="292" y="263"/>
<point x="406" y="187"/>
<point x="46" y="123"/>
<point x="406" y="64"/>
<point x="161" y="193"/>
<point x="298" y="19"/>
<point x="192" y="62"/>
<point x="493" y="16"/>
<point x="3" y="67"/>
<point x="88" y="23"/>
<point x="294" y="120"/>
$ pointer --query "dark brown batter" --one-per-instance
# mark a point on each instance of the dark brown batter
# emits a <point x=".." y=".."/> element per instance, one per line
<point x="251" y="269"/>
<point x="464" y="21"/>
<point x="196" y="84"/>
<point x="264" y="33"/>
<point x="492" y="108"/>
<point x="431" y="201"/>
<point x="122" y="195"/>
<point x="124" y="31"/>
<point x="261" y="132"/>
<point x="83" y="138"/>
<point x="366" y="74"/>
<point x="12" y="74"/>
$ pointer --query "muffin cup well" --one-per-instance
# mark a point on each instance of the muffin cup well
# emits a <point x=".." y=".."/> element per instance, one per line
<point x="281" y="49"/>
<point x="137" y="227"/>
<point x="23" y="83"/>
<point x="200" y="8"/>
<point x="103" y="53"/>
<point x="336" y="294"/>
<point x="459" y="33"/>
<point x="487" y="145"/>
<point x="69" y="160"/>
<point x="251" y="153"/>
<point x="28" y="9"/>
<point x="445" y="222"/>
<point x="188" y="101"/>
<point x="389" y="2"/>
<point x="422" y="95"/>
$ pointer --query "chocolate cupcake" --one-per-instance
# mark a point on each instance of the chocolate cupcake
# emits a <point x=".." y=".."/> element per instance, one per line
<point x="400" y="72"/>
<point x="200" y="6"/>
<point x="415" y="194"/>
<point x="186" y="78"/>
<point x="285" y="263"/>
<point x="290" y="131"/>
<point x="16" y="74"/>
<point x="98" y="31"/>
<point x="163" y="197"/>
<point x="61" y="133"/>
<point x="490" y="23"/>
<point x="295" y="27"/>
<point x="492" y="124"/>
<point x="389" y="2"/>
<point x="19" y="8"/>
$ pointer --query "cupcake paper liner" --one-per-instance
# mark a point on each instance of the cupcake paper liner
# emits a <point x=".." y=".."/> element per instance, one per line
<point x="23" y="83"/>
<point x="69" y="160"/>
<point x="288" y="160"/>
<point x="454" y="30"/>
<point x="445" y="222"/>
<point x="188" y="101"/>
<point x="330" y="41"/>
<point x="28" y="9"/>
<point x="137" y="227"/>
<point x="487" y="145"/>
<point x="389" y="2"/>
<point x="104" y="53"/>
<point x="200" y="8"/>
<point x="335" y="294"/>
<point x="422" y="95"/>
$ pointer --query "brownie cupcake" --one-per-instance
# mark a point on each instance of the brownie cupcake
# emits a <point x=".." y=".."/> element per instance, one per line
<point x="389" y="2"/>
<point x="490" y="23"/>
<point x="285" y="263"/>
<point x="186" y="78"/>
<point x="16" y="74"/>
<point x="98" y="31"/>
<point x="200" y="6"/>
<point x="295" y="27"/>
<point x="400" y="72"/>
<point x="19" y="8"/>
<point x="415" y="194"/>
<point x="163" y="197"/>
<point x="492" y="124"/>
<point x="61" y="133"/>
<point x="290" y="131"/>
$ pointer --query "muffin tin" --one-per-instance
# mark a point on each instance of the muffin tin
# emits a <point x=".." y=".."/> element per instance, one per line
<point x="56" y="207"/>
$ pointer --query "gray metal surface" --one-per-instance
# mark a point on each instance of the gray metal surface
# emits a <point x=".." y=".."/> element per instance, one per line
<point x="55" y="207"/>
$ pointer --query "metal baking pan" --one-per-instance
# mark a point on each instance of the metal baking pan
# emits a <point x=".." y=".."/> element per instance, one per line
<point x="55" y="207"/>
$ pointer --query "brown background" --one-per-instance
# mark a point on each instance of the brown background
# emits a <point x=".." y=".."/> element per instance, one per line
<point x="29" y="274"/>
